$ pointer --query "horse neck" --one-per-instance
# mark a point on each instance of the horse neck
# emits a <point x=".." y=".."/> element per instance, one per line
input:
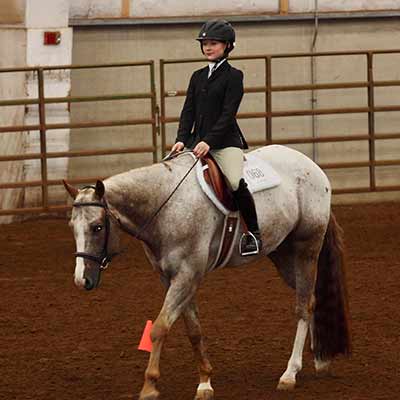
<point x="135" y="195"/>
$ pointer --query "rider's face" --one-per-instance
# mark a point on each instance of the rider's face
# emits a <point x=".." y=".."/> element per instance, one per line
<point x="213" y="49"/>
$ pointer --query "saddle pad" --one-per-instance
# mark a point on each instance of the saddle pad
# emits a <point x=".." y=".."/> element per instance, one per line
<point x="259" y="174"/>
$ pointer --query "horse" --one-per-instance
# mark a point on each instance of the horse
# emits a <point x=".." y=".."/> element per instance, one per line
<point x="164" y="207"/>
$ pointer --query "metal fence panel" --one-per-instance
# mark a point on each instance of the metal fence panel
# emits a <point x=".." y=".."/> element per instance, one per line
<point x="44" y="126"/>
<point x="269" y="114"/>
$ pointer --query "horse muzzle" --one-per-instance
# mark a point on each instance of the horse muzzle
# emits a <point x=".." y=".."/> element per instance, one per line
<point x="86" y="277"/>
<point x="89" y="285"/>
<point x="84" y="283"/>
<point x="92" y="278"/>
<point x="79" y="282"/>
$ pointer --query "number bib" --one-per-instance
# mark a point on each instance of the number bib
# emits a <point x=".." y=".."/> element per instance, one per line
<point x="259" y="174"/>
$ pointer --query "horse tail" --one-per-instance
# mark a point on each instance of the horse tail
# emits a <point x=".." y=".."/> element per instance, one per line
<point x="331" y="329"/>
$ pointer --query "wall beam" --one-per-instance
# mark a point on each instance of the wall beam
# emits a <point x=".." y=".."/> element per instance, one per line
<point x="283" y="7"/>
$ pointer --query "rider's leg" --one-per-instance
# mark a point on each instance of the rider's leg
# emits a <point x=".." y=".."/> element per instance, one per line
<point x="247" y="207"/>
<point x="230" y="161"/>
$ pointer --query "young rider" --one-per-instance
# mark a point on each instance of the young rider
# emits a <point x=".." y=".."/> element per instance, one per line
<point x="213" y="98"/>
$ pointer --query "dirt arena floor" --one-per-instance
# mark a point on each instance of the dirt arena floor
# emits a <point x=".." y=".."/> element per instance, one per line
<point x="57" y="342"/>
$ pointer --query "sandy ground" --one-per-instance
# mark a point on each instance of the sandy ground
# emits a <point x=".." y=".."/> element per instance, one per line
<point x="57" y="342"/>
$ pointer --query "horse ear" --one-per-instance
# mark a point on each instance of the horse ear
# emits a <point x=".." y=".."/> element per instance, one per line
<point x="70" y="189"/>
<point x="100" y="189"/>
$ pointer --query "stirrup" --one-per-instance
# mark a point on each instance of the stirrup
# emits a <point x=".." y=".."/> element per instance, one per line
<point x="245" y="236"/>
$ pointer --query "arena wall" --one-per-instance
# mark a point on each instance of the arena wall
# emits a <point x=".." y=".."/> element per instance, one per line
<point x="12" y="11"/>
<point x="22" y="27"/>
<point x="134" y="43"/>
<point x="11" y="86"/>
<point x="127" y="30"/>
<point x="177" y="8"/>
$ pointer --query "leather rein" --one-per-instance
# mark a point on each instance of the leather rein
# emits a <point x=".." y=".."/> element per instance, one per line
<point x="104" y="259"/>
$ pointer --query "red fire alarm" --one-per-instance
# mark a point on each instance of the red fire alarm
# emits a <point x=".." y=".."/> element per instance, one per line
<point x="52" y="38"/>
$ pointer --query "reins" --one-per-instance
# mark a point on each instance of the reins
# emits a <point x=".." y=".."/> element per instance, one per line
<point x="104" y="258"/>
<point x="150" y="220"/>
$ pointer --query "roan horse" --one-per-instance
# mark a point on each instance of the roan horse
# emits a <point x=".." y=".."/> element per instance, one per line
<point x="299" y="232"/>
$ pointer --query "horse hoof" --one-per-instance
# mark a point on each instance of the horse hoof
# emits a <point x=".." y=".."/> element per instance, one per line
<point x="322" y="368"/>
<point x="204" y="395"/>
<point x="286" y="385"/>
<point x="153" y="395"/>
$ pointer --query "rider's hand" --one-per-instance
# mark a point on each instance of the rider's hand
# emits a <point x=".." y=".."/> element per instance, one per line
<point x="177" y="147"/>
<point x="201" y="149"/>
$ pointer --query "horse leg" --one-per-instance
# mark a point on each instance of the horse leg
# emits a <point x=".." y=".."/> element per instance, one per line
<point x="288" y="380"/>
<point x="322" y="367"/>
<point x="305" y="258"/>
<point x="180" y="292"/>
<point x="192" y="323"/>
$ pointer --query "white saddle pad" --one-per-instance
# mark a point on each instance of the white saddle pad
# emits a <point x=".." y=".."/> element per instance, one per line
<point x="259" y="174"/>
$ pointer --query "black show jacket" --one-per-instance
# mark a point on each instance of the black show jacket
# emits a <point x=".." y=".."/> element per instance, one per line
<point x="211" y="105"/>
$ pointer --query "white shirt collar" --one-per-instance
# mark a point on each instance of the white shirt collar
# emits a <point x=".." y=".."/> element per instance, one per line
<point x="211" y="65"/>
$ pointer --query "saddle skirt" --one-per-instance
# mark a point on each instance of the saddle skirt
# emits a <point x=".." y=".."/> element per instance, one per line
<point x="215" y="181"/>
<point x="258" y="174"/>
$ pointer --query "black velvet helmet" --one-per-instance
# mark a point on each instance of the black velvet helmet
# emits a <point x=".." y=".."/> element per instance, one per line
<point x="218" y="29"/>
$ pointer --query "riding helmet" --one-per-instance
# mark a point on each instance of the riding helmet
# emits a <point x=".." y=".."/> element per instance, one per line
<point x="218" y="29"/>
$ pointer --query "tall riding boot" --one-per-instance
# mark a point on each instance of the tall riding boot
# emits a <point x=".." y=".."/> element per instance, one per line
<point x="250" y="243"/>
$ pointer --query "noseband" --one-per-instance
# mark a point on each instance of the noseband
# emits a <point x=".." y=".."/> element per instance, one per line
<point x="104" y="258"/>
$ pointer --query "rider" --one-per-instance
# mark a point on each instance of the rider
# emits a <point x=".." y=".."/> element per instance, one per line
<point x="213" y="98"/>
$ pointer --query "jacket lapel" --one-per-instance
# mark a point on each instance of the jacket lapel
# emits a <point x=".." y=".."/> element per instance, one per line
<point x="204" y="74"/>
<point x="223" y="67"/>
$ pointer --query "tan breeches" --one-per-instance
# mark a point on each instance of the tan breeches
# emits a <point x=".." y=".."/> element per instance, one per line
<point x="230" y="161"/>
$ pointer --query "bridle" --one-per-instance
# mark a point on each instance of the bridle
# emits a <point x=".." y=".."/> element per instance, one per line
<point x="104" y="258"/>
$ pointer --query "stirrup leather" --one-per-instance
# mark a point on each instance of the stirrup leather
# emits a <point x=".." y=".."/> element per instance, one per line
<point x="245" y="236"/>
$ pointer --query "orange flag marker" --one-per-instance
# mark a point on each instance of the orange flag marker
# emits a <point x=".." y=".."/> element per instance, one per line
<point x="145" y="342"/>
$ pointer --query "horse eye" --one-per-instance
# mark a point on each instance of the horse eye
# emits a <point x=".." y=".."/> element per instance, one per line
<point x="97" y="228"/>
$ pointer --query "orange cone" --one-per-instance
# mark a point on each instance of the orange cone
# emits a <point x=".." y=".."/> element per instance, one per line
<point x="145" y="343"/>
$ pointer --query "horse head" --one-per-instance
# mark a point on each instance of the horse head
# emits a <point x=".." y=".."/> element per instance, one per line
<point x="95" y="231"/>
